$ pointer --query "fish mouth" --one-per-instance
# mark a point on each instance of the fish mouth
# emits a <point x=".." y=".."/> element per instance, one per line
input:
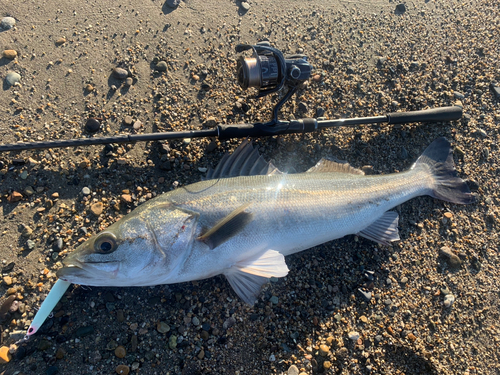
<point x="88" y="273"/>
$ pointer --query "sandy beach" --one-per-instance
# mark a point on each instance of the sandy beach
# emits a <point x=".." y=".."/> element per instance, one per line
<point x="427" y="304"/>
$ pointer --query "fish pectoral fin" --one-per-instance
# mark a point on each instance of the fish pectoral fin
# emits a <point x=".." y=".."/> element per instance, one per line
<point x="248" y="276"/>
<point x="384" y="230"/>
<point x="228" y="227"/>
<point x="329" y="166"/>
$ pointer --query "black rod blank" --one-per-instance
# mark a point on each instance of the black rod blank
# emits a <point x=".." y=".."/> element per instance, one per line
<point x="251" y="130"/>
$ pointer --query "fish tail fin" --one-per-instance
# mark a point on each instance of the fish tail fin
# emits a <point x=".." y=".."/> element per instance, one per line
<point x="447" y="186"/>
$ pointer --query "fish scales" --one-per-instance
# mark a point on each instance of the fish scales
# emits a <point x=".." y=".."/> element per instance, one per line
<point x="328" y="205"/>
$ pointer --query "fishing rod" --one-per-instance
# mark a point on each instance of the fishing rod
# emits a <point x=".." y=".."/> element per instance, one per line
<point x="269" y="71"/>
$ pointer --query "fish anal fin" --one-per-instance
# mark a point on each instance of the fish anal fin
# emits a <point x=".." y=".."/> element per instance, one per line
<point x="248" y="276"/>
<point x="383" y="230"/>
<point x="329" y="166"/>
<point x="228" y="227"/>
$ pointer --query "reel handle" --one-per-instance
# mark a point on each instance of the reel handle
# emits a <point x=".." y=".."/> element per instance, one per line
<point x="426" y="115"/>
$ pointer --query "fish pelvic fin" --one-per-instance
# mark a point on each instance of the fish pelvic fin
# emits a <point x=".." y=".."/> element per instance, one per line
<point x="438" y="157"/>
<point x="383" y="230"/>
<point x="228" y="227"/>
<point x="247" y="277"/>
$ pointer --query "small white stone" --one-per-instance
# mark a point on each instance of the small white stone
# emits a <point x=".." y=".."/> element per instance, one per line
<point x="12" y="78"/>
<point x="448" y="300"/>
<point x="354" y="336"/>
<point x="8" y="23"/>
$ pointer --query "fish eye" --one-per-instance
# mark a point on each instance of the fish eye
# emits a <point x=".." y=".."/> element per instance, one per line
<point x="105" y="243"/>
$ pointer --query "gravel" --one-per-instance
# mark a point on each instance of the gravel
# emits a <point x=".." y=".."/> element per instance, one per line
<point x="415" y="312"/>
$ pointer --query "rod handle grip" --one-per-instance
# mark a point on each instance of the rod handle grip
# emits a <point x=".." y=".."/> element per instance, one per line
<point x="427" y="115"/>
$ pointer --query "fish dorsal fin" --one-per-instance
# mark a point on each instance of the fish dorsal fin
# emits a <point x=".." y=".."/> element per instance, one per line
<point x="244" y="161"/>
<point x="228" y="227"/>
<point x="383" y="230"/>
<point x="329" y="166"/>
<point x="247" y="276"/>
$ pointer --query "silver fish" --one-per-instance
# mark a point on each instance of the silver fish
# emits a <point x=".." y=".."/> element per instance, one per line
<point x="247" y="216"/>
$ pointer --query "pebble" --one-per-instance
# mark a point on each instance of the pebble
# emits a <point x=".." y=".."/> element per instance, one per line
<point x="459" y="95"/>
<point x="162" y="327"/>
<point x="12" y="78"/>
<point x="97" y="208"/>
<point x="129" y="81"/>
<point x="481" y="132"/>
<point x="30" y="244"/>
<point x="161" y="66"/>
<point x="404" y="280"/>
<point x="172" y="342"/>
<point x="44" y="345"/>
<point x="84" y="331"/>
<point x="126" y="198"/>
<point x="173" y="3"/>
<point x="245" y="6"/>
<point x="400" y="8"/>
<point x="353" y="336"/>
<point x="85" y="191"/>
<point x="448" y="300"/>
<point x="366" y="295"/>
<point x="60" y="41"/>
<point x="92" y="125"/>
<point x="496" y="90"/>
<point x="120" y="351"/>
<point x="128" y="120"/>
<point x="15" y="197"/>
<point x="9" y="54"/>
<point x="134" y="342"/>
<point x="274" y="300"/>
<point x="29" y="191"/>
<point x="137" y="125"/>
<point x="58" y="245"/>
<point x="195" y="321"/>
<point x="229" y="322"/>
<point x="120" y="73"/>
<point x="60" y="353"/>
<point x="7" y="280"/>
<point x="122" y="369"/>
<point x="451" y="258"/>
<point x="201" y="354"/>
<point x="293" y="370"/>
<point x="210" y="122"/>
<point x="5" y="355"/>
<point x="8" y="23"/>
<point x="324" y="350"/>
<point x="111" y="345"/>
